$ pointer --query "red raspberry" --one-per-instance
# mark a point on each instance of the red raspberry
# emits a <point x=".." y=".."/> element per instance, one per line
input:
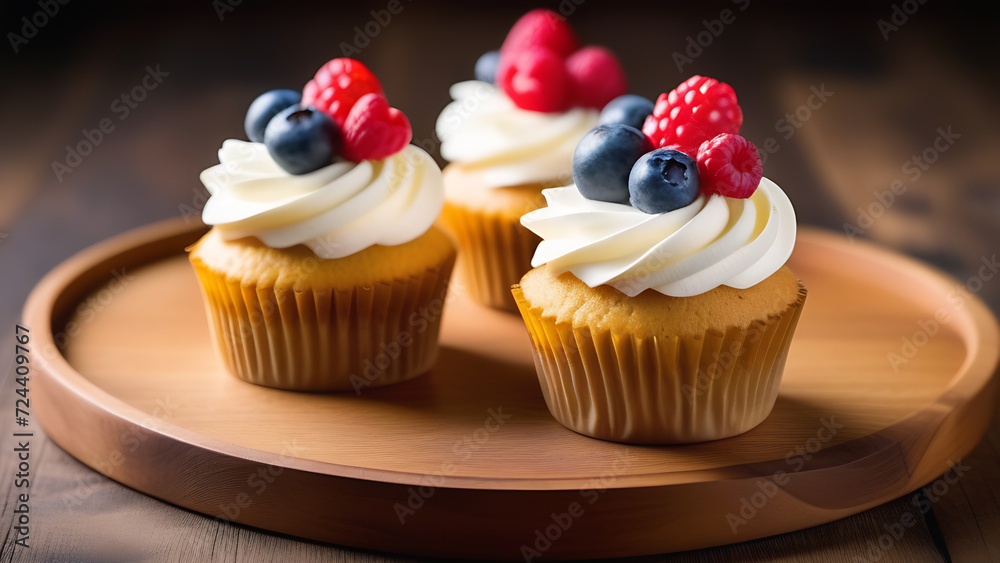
<point x="535" y="80"/>
<point x="729" y="165"/>
<point x="373" y="130"/>
<point x="541" y="28"/>
<point x="692" y="113"/>
<point x="596" y="77"/>
<point x="338" y="85"/>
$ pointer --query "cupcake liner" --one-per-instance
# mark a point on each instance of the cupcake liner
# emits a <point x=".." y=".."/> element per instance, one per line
<point x="327" y="340"/>
<point x="657" y="390"/>
<point x="496" y="251"/>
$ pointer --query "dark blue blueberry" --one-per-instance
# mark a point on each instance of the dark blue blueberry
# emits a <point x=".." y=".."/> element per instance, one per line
<point x="627" y="109"/>
<point x="663" y="180"/>
<point x="302" y="140"/>
<point x="603" y="159"/>
<point x="486" y="67"/>
<point x="265" y="107"/>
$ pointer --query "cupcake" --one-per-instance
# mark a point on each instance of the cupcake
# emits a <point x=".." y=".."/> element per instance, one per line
<point x="660" y="309"/>
<point x="323" y="252"/>
<point x="511" y="133"/>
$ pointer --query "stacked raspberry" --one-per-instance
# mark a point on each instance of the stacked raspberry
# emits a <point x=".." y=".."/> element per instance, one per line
<point x="541" y="67"/>
<point x="351" y="94"/>
<point x="342" y="111"/>
<point x="702" y="119"/>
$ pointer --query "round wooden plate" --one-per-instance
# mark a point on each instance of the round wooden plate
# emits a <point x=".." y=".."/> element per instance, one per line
<point x="890" y="380"/>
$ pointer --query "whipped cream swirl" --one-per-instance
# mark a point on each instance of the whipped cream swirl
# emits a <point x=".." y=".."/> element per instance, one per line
<point x="336" y="211"/>
<point x="503" y="145"/>
<point x="711" y="242"/>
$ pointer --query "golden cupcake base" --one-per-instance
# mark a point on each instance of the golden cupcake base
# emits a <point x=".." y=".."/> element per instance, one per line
<point x="333" y="326"/>
<point x="496" y="252"/>
<point x="658" y="385"/>
<point x="495" y="249"/>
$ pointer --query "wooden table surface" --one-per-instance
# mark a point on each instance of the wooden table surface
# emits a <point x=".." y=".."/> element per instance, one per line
<point x="847" y="103"/>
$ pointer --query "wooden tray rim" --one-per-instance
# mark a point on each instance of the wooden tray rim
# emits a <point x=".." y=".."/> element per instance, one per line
<point x="975" y="324"/>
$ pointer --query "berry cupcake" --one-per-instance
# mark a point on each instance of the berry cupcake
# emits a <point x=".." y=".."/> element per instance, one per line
<point x="660" y="310"/>
<point x="323" y="248"/>
<point x="511" y="133"/>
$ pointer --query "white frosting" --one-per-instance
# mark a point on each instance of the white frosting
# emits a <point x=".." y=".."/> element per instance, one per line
<point x="711" y="242"/>
<point x="504" y="145"/>
<point x="336" y="211"/>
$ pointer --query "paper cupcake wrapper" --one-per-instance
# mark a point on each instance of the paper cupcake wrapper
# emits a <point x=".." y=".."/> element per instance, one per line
<point x="657" y="390"/>
<point x="323" y="339"/>
<point x="495" y="253"/>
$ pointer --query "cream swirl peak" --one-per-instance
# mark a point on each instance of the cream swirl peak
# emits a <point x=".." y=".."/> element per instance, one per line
<point x="503" y="145"/>
<point x="711" y="242"/>
<point x="336" y="211"/>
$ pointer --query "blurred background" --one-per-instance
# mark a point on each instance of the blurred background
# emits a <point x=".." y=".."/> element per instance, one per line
<point x="879" y="119"/>
<point x="848" y="101"/>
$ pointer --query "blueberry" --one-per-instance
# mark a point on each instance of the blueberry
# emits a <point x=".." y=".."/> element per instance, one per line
<point x="627" y="109"/>
<point x="302" y="140"/>
<point x="486" y="67"/>
<point x="603" y="160"/>
<point x="266" y="106"/>
<point x="663" y="180"/>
